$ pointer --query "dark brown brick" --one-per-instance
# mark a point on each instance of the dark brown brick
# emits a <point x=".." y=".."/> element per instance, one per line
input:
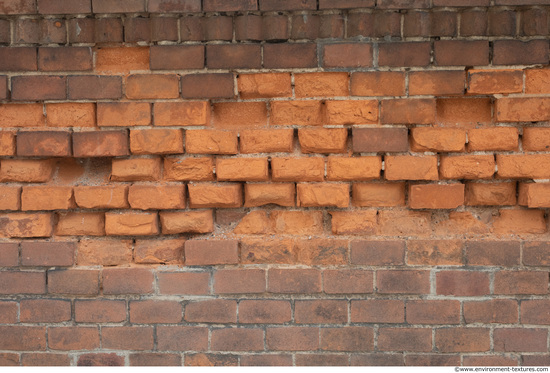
<point x="95" y="87"/>
<point x="405" y="339"/>
<point x="403" y="4"/>
<point x="174" y="6"/>
<point x="5" y="32"/>
<point x="207" y="86"/>
<point x="534" y="22"/>
<point x="292" y="338"/>
<point x="493" y="253"/>
<point x="536" y="253"/>
<point x="430" y="24"/>
<point x="121" y="6"/>
<point x="18" y="7"/>
<point x="45" y="359"/>
<point x="520" y="339"/>
<point x="502" y="23"/>
<point x="20" y="282"/>
<point x="229" y="5"/>
<point x="196" y="283"/>
<point x="90" y="360"/>
<point x="100" y="310"/>
<point x="38" y="88"/>
<point x="317" y="26"/>
<point x="217" y="28"/>
<point x="248" y="27"/>
<point x="237" y="339"/>
<point x="461" y="53"/>
<point x="45" y="310"/>
<point x="40" y="31"/>
<point x="345" y="4"/>
<point x="462" y="283"/>
<point x="211" y="252"/>
<point x="64" y="7"/>
<point x="127" y="281"/>
<point x="473" y="23"/>
<point x="73" y="281"/>
<point x="23" y="338"/>
<point x="44" y="144"/>
<point x="404" y="54"/>
<point x="503" y="311"/>
<point x="516" y="52"/>
<point x="9" y="359"/>
<point x="191" y="29"/>
<point x="294" y="281"/>
<point x="367" y="140"/>
<point x="100" y="30"/>
<point x="47" y="254"/>
<point x="347" y="55"/>
<point x="535" y="311"/>
<point x="268" y="5"/>
<point x="18" y="59"/>
<point x="177" y="57"/>
<point x="100" y="144"/>
<point x="361" y="24"/>
<point x="387" y="311"/>
<point x="155" y="359"/>
<point x="281" y="56"/>
<point x="461" y="3"/>
<point x="182" y="338"/>
<point x="403" y="281"/>
<point x="9" y="254"/>
<point x="212" y="311"/>
<point x="64" y="59"/>
<point x="155" y="312"/>
<point x="323" y="359"/>
<point x="233" y="56"/>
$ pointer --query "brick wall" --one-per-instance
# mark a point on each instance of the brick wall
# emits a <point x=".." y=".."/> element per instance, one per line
<point x="274" y="182"/>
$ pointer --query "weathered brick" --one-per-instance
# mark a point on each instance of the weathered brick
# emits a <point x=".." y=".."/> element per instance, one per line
<point x="436" y="82"/>
<point x="411" y="168"/>
<point x="496" y="139"/>
<point x="46" y="198"/>
<point x="122" y="114"/>
<point x="73" y="281"/>
<point x="152" y="86"/>
<point x="462" y="283"/>
<point x="323" y="140"/>
<point x="436" y="252"/>
<point x="245" y="169"/>
<point x="212" y="311"/>
<point x="70" y="115"/>
<point x="47" y="254"/>
<point x="322" y="194"/>
<point x="378" y="253"/>
<point x="45" y="310"/>
<point x="408" y="111"/>
<point x="367" y="140"/>
<point x="353" y="169"/>
<point x="492" y="311"/>
<point x="215" y="195"/>
<point x="99" y="359"/>
<point x="155" y="312"/>
<point x="266" y="141"/>
<point x="321" y="84"/>
<point x="131" y="223"/>
<point x="92" y="197"/>
<point x="467" y="167"/>
<point x="192" y="283"/>
<point x="100" y="144"/>
<point x="522" y="109"/>
<point x="462" y="339"/>
<point x="65" y="59"/>
<point x="535" y="253"/>
<point x="289" y="55"/>
<point x="188" y="113"/>
<point x="23" y="338"/>
<point x="354" y="223"/>
<point x="188" y="221"/>
<point x="7" y="143"/>
<point x="136" y="169"/>
<point x="38" y="88"/>
<point x="211" y="142"/>
<point x="196" y="169"/>
<point x="520" y="339"/>
<point x="292" y="338"/>
<point x="301" y="113"/>
<point x="348" y="55"/>
<point x="182" y="338"/>
<point x="294" y="281"/>
<point x="237" y="339"/>
<point x="201" y="252"/>
<point x="461" y="53"/>
<point x="378" y="83"/>
<point x="405" y="339"/>
<point x="437" y="139"/>
<point x="26" y="225"/>
<point x="436" y="196"/>
<point x="404" y="54"/>
<point x="387" y="311"/>
<point x="403" y="281"/>
<point x="399" y="223"/>
<point x="44" y="359"/>
<point x="298" y="169"/>
<point x="44" y="144"/>
<point x="127" y="338"/>
<point x="516" y="52"/>
<point x="127" y="281"/>
<point x="22" y="115"/>
<point x="264" y="311"/>
<point x="233" y="56"/>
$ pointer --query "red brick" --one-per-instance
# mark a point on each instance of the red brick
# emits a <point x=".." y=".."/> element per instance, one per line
<point x="102" y="30"/>
<point x="154" y="359"/>
<point x="180" y="57"/>
<point x="44" y="144"/>
<point x="433" y="312"/>
<point x="211" y="142"/>
<point x="354" y="223"/>
<point x="298" y="169"/>
<point x="387" y="311"/>
<point x="294" y="281"/>
<point x="159" y="252"/>
<point x="377" y="359"/>
<point x="437" y="139"/>
<point x="536" y="81"/>
<point x="436" y="82"/>
<point x="464" y="111"/>
<point x="323" y="140"/>
<point x="45" y="310"/>
<point x="269" y="5"/>
<point x="9" y="359"/>
<point x="519" y="222"/>
<point x="232" y="115"/>
<point x="201" y="252"/>
<point x="434" y="252"/>
<point x="22" y="115"/>
<point x="9" y="312"/>
<point x="493" y="311"/>
<point x="353" y="169"/>
<point x="100" y="144"/>
<point x="351" y="112"/>
<point x="9" y="254"/>
<point x="73" y="338"/>
<point x="237" y="339"/>
<point x="462" y="283"/>
<point x="211" y="360"/>
<point x="535" y="311"/>
<point x="238" y="281"/>
<point x="421" y="23"/>
<point x="302" y="113"/>
<point x="152" y="86"/>
<point x="23" y="338"/>
<point x="321" y="359"/>
<point x="155" y="312"/>
<point x="462" y="339"/>
<point x="47" y="254"/>
<point x="403" y="281"/>
<point x="99" y="310"/>
<point x="367" y="140"/>
<point x="215" y="195"/>
<point x="266" y="360"/>
<point x="182" y="338"/>
<point x="207" y="86"/>
<point x="122" y="59"/>
<point x="127" y="281"/>
<point x="212" y="311"/>
<point x="193" y="283"/>
<point x="7" y="143"/>
<point x="73" y="281"/>
<point x="99" y="359"/>
<point x="71" y="115"/>
<point x="38" y="88"/>
<point x="187" y="221"/>
<point x="517" y="52"/>
<point x="377" y="253"/>
<point x="404" y="54"/>
<point x="18" y="59"/>
<point x="10" y="198"/>
<point x="379" y="83"/>
<point x="520" y="339"/>
<point x="26" y="225"/>
<point x="435" y="196"/>
<point x="65" y="7"/>
<point x="126" y="6"/>
<point x="264" y="85"/>
<point x="495" y="81"/>
<point x="408" y="111"/>
<point x="44" y="359"/>
<point x="521" y="282"/>
<point x="321" y="312"/>
<point x="536" y="139"/>
<point x="536" y="253"/>
<point x="150" y="197"/>
<point x="531" y="166"/>
<point x="322" y="194"/>
<point x="405" y="339"/>
<point x="348" y="55"/>
<point x="131" y="223"/>
<point x="265" y="251"/>
<point x="244" y="169"/>
<point x="493" y="253"/>
<point x="122" y="114"/>
<point x="229" y="5"/>
<point x="188" y="113"/>
<point x="264" y="311"/>
<point x="347" y="339"/>
<point x="127" y="338"/>
<point x="289" y="55"/>
<point x="293" y="338"/>
<point x="461" y="53"/>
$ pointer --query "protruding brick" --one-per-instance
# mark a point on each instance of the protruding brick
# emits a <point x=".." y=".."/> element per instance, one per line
<point x="211" y="142"/>
<point x="101" y="197"/>
<point x="136" y="169"/>
<point x="436" y="196"/>
<point x="176" y="57"/>
<point x="131" y="223"/>
<point x="200" y="252"/>
<point x="80" y="224"/>
<point x="213" y="195"/>
<point x="490" y="194"/>
<point x="495" y="139"/>
<point x="100" y="144"/>
<point x="353" y="169"/>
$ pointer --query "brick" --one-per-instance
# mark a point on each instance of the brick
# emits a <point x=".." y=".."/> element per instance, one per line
<point x="377" y="253"/>
<point x="5" y="32"/>
<point x="212" y="311"/>
<point x="297" y="222"/>
<point x="10" y="198"/>
<point x="269" y="5"/>
<point x="156" y="141"/>
<point x="122" y="59"/>
<point x="461" y="53"/>
<point x="94" y="87"/>
<point x="323" y="140"/>
<point x="519" y="222"/>
<point x="126" y="6"/>
<point x="44" y="359"/>
<point x="464" y="111"/>
<point x="46" y="198"/>
<point x="294" y="281"/>
<point x="436" y="82"/>
<point x="233" y="56"/>
<point x="490" y="360"/>
<point x="88" y="30"/>
<point x="436" y="196"/>
<point x="64" y="59"/>
<point x="494" y="139"/>
<point x="18" y="7"/>
<point x="47" y="254"/>
<point x="353" y="169"/>
<point x="534" y="22"/>
<point x="27" y="225"/>
<point x="55" y="7"/>
<point x="516" y="52"/>
<point x="71" y="115"/>
<point x="405" y="339"/>
<point x="106" y="253"/>
<point x="7" y="143"/>
<point x="493" y="194"/>
<point x="200" y="252"/>
<point x="155" y="312"/>
<point x="433" y="312"/>
<point x="264" y="85"/>
<point x="215" y="195"/>
<point x="101" y="197"/>
<point x="217" y="28"/>
<point x="436" y="252"/>
<point x="377" y="359"/>
<point x="473" y="23"/>
<point x="22" y="115"/>
<point x="421" y="23"/>
<point x="352" y="112"/>
<point x="535" y="360"/>
<point x="264" y="311"/>
<point x="241" y="114"/>
<point x="212" y="360"/>
<point x="491" y="311"/>
<point x="437" y="139"/>
<point x="408" y="111"/>
<point x="462" y="339"/>
<point x="237" y="339"/>
<point x="298" y="169"/>
<point x="520" y="282"/>
<point x="38" y="88"/>
<point x="289" y="55"/>
<point x="354" y="223"/>
<point x="493" y="253"/>
<point x="127" y="281"/>
<point x="229" y="6"/>
<point x="73" y="338"/>
<point x="164" y="252"/>
<point x="192" y="283"/>
<point x="266" y="360"/>
<point x="194" y="113"/>
<point x="181" y="57"/>
<point x="344" y="4"/>
<point x="379" y="83"/>
<point x="411" y="168"/>
<point x="44" y="144"/>
<point x="392" y="223"/>
<point x="378" y="25"/>
<point x="73" y="281"/>
<point x="321" y="84"/>
<point x="322" y="251"/>
<point x="45" y="310"/>
<point x="461" y="223"/>
<point x="347" y="55"/>
<point x="238" y="281"/>
<point x="127" y="338"/>
<point x="23" y="338"/>
<point x="266" y="141"/>
<point x="292" y="338"/>
<point x="367" y="140"/>
<point x="131" y="223"/>
<point x="347" y="281"/>
<point x="152" y="86"/>
<point x="495" y="81"/>
<point x="9" y="255"/>
<point x="136" y="169"/>
<point x="502" y="23"/>
<point x="187" y="222"/>
<point x="182" y="338"/>
<point x="532" y="109"/>
<point x="520" y="339"/>
<point x="403" y="281"/>
<point x="122" y="114"/>
<point x="197" y="169"/>
<point x="534" y="312"/>
<point x="387" y="311"/>
<point x="322" y="359"/>
<point x="530" y="166"/>
<point x="99" y="359"/>
<point x="100" y="144"/>
<point x="535" y="253"/>
<point x="404" y="54"/>
<point x="462" y="283"/>
<point x="211" y="142"/>
<point x="347" y="339"/>
<point x="537" y="81"/>
<point x="245" y="169"/>
<point x="18" y="59"/>
<point x="300" y="113"/>
<point x="255" y="222"/>
<point x="20" y="282"/>
<point x="467" y="167"/>
<point x="152" y="197"/>
<point x="315" y="195"/>
<point x="207" y="86"/>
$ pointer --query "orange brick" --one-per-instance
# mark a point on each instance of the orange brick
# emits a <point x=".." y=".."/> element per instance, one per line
<point x="537" y="81"/>
<point x="81" y="224"/>
<point x="378" y="195"/>
<point x="536" y="139"/>
<point x="188" y="113"/>
<point x="464" y="111"/>
<point x="22" y="115"/>
<point x="105" y="253"/>
<point x="187" y="222"/>
<point x="356" y="168"/>
<point x="211" y="142"/>
<point x="100" y="143"/>
<point x="122" y="59"/>
<point x="323" y="140"/>
<point x="7" y="143"/>
<point x="298" y="169"/>
<point x="490" y="194"/>
<point x="136" y="169"/>
<point x="159" y="252"/>
<point x="239" y="114"/>
<point x="323" y="194"/>
<point x="436" y="82"/>
<point x="154" y="86"/>
<point x="264" y="194"/>
<point x="537" y="195"/>
<point x="182" y="169"/>
<point x="156" y="197"/>
<point x="123" y="114"/>
<point x="255" y="222"/>
<point x="301" y="113"/>
<point x="215" y="195"/>
<point x="436" y="196"/>
<point x="242" y="169"/>
<point x="354" y="222"/>
<point x="408" y="111"/>
<point x="434" y="252"/>
<point x="406" y="167"/>
<point x="319" y="251"/>
<point x="211" y="252"/>
<point x="26" y="170"/>
<point x="267" y="250"/>
<point x="460" y="223"/>
<point x="379" y="83"/>
<point x="10" y="198"/>
<point x="425" y="139"/>
<point x="267" y="141"/>
<point x="131" y="223"/>
<point x="493" y="139"/>
<point x="519" y="222"/>
<point x="404" y="223"/>
<point x="528" y="166"/>
<point x="101" y="197"/>
<point x="156" y="141"/>
<point x="467" y="167"/>
<point x="46" y="198"/>
<point x="70" y="115"/>
<point x="495" y="81"/>
<point x="27" y="225"/>
<point x="297" y="222"/>
<point x="352" y="112"/>
<point x="530" y="109"/>
<point x="264" y="85"/>
<point x="325" y="84"/>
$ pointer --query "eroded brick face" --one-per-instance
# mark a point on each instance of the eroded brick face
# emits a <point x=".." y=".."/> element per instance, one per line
<point x="274" y="182"/>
